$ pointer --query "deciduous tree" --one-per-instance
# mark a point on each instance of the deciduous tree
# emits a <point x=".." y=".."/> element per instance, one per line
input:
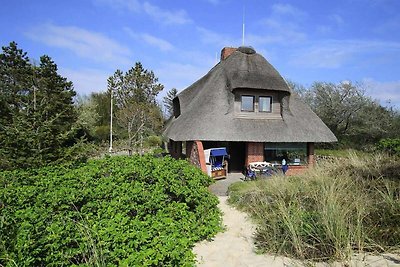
<point x="137" y="111"/>
<point x="355" y="118"/>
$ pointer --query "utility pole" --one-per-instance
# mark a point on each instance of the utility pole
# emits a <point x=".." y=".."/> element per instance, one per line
<point x="111" y="121"/>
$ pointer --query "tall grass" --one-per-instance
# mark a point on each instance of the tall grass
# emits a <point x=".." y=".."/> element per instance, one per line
<point x="337" y="209"/>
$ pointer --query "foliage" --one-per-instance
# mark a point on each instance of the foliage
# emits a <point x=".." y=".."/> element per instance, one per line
<point x="153" y="141"/>
<point x="102" y="133"/>
<point x="339" y="153"/>
<point x="392" y="146"/>
<point x="357" y="120"/>
<point x="168" y="102"/>
<point x="339" y="208"/>
<point x="338" y="105"/>
<point x="88" y="117"/>
<point x="103" y="109"/>
<point x="134" y="94"/>
<point x="37" y="113"/>
<point x="117" y="211"/>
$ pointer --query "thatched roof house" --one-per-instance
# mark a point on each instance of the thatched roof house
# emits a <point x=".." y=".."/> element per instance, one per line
<point x="244" y="104"/>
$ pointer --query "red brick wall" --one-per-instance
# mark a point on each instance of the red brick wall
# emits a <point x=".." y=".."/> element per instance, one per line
<point x="226" y="52"/>
<point x="190" y="146"/>
<point x="254" y="152"/>
<point x="195" y="153"/>
<point x="294" y="170"/>
<point x="310" y="154"/>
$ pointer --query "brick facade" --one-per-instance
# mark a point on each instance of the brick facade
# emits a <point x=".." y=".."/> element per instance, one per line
<point x="310" y="154"/>
<point x="254" y="152"/>
<point x="226" y="52"/>
<point x="195" y="154"/>
<point x="295" y="170"/>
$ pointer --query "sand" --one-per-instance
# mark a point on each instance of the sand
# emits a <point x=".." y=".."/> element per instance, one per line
<point x="235" y="247"/>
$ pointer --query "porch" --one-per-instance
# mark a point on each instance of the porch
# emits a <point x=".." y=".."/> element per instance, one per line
<point x="299" y="156"/>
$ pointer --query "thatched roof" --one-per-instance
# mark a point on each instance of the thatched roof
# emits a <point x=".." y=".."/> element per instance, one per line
<point x="207" y="106"/>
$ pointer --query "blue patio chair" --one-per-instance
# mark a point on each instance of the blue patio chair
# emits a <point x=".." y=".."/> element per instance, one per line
<point x="250" y="174"/>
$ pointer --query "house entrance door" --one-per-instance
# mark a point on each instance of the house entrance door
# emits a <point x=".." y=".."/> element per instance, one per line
<point x="237" y="153"/>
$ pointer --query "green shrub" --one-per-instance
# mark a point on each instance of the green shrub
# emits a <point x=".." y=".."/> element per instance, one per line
<point x="153" y="141"/>
<point x="392" y="146"/>
<point x="331" y="212"/>
<point x="118" y="211"/>
<point x="102" y="133"/>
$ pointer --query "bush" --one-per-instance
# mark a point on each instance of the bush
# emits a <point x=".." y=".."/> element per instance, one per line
<point x="153" y="141"/>
<point x="333" y="211"/>
<point x="127" y="211"/>
<point x="392" y="146"/>
<point x="102" y="133"/>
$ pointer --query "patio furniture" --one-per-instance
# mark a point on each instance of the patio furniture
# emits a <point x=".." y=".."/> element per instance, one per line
<point x="249" y="174"/>
<point x="262" y="169"/>
<point x="215" y="162"/>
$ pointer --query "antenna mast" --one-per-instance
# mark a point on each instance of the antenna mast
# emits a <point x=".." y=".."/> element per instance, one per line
<point x="243" y="26"/>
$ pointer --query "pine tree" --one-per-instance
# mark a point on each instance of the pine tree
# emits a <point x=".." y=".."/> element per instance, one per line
<point x="168" y="99"/>
<point x="15" y="88"/>
<point x="54" y="114"/>
<point x="37" y="112"/>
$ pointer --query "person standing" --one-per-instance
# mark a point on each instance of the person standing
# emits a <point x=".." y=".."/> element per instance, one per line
<point x="285" y="167"/>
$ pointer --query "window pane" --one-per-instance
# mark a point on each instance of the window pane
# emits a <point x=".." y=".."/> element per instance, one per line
<point x="247" y="103"/>
<point x="264" y="103"/>
<point x="293" y="153"/>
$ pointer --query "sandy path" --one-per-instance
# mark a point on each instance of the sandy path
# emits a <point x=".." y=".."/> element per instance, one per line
<point x="234" y="247"/>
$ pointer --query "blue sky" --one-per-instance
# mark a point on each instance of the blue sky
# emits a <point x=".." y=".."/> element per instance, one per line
<point x="180" y="40"/>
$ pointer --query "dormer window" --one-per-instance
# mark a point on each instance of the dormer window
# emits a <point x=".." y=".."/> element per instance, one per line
<point x="247" y="103"/>
<point x="257" y="104"/>
<point x="264" y="104"/>
<point x="251" y="103"/>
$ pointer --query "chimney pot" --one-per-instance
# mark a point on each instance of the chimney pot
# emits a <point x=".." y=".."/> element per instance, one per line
<point x="226" y="52"/>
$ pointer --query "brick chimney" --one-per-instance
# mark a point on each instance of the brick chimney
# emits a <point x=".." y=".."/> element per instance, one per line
<point x="226" y="52"/>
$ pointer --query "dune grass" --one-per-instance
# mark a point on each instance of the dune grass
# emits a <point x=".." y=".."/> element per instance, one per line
<point x="333" y="211"/>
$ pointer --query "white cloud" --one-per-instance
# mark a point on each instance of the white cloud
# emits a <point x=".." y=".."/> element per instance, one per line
<point x="158" y="42"/>
<point x="207" y="57"/>
<point x="324" y="29"/>
<point x="287" y="9"/>
<point x="176" y="17"/>
<point x="214" y="2"/>
<point x="166" y="16"/>
<point x="283" y="26"/>
<point x="333" y="22"/>
<point x="161" y="44"/>
<point x="337" y="19"/>
<point x="336" y="53"/>
<point x="84" y="43"/>
<point x="131" y="5"/>
<point x="385" y="92"/>
<point x="282" y="31"/>
<point x="86" y="81"/>
<point x="180" y="76"/>
<point x="217" y="39"/>
<point x="391" y="24"/>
